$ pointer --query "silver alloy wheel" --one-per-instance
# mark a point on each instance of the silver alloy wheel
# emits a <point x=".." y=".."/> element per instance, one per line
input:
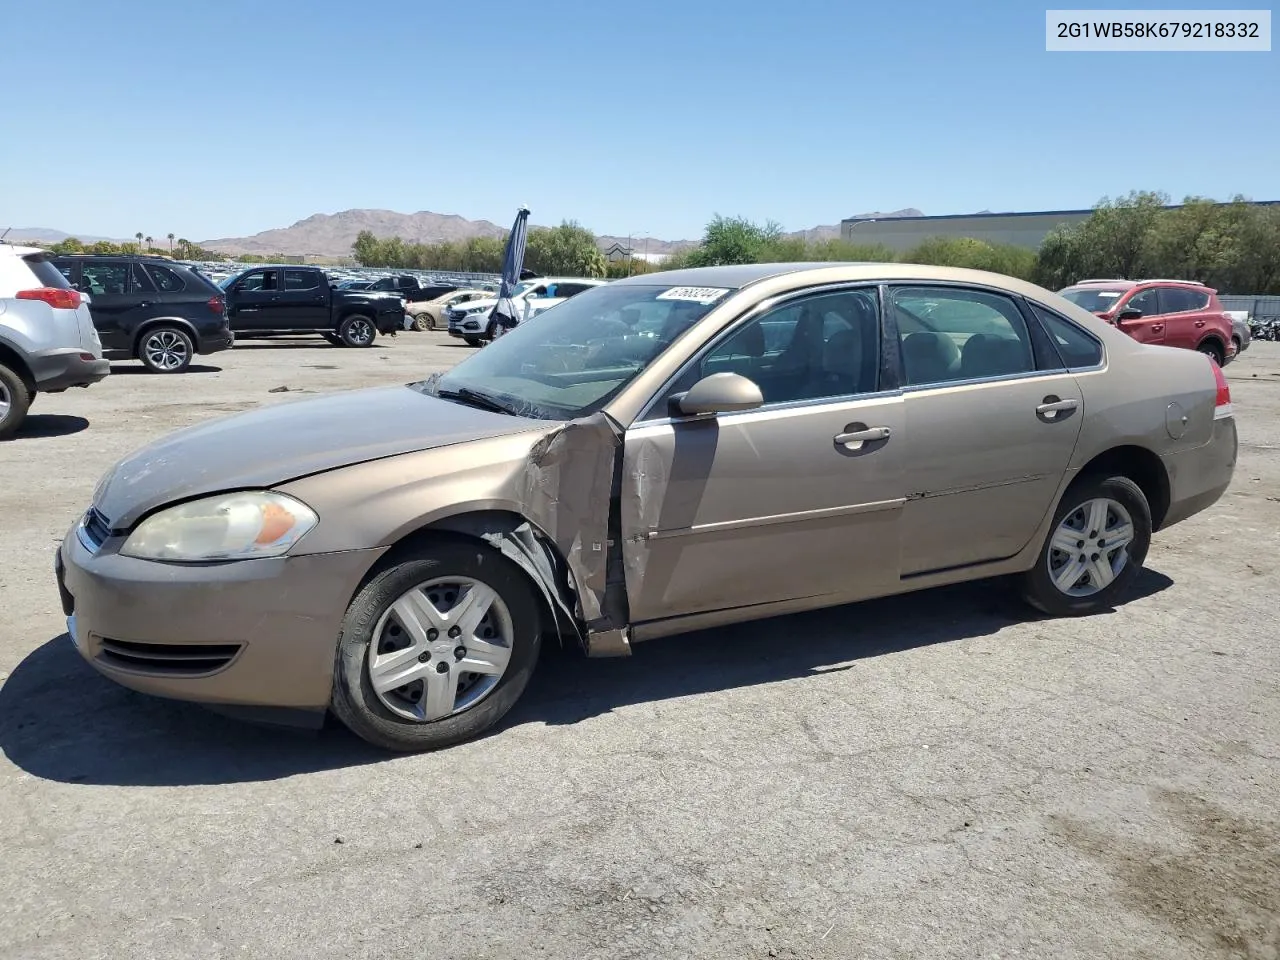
<point x="1090" y="547"/>
<point x="360" y="331"/>
<point x="440" y="649"/>
<point x="165" y="350"/>
<point x="5" y="401"/>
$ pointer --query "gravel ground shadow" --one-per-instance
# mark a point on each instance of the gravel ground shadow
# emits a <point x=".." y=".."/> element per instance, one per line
<point x="60" y="720"/>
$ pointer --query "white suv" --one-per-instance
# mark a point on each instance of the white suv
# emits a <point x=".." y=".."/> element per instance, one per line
<point x="470" y="321"/>
<point x="47" y="339"/>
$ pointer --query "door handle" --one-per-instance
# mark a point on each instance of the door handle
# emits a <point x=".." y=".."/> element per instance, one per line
<point x="145" y="303"/>
<point x="1052" y="406"/>
<point x="858" y="437"/>
<point x="1199" y="323"/>
<point x="1157" y="327"/>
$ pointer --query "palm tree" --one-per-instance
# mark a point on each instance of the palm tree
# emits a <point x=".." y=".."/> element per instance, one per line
<point x="139" y="236"/>
<point x="149" y="246"/>
<point x="171" y="243"/>
<point x="184" y="246"/>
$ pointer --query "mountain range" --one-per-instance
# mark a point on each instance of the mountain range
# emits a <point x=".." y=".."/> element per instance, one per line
<point x="331" y="235"/>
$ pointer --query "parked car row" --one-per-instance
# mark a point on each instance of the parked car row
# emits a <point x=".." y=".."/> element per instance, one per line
<point x="474" y="322"/>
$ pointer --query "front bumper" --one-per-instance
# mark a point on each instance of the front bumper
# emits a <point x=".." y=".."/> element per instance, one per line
<point x="1198" y="478"/>
<point x="464" y="327"/>
<point x="65" y="367"/>
<point x="252" y="633"/>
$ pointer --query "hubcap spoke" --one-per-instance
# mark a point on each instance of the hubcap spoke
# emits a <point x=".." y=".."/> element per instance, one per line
<point x="1121" y="535"/>
<point x="1069" y="575"/>
<point x="417" y="615"/>
<point x="392" y="670"/>
<point x="485" y="657"/>
<point x="440" y="693"/>
<point x="470" y="610"/>
<point x="1097" y="516"/>
<point x="1100" y="572"/>
<point x="1066" y="540"/>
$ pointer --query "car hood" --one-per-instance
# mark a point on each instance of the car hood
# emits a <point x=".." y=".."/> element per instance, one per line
<point x="263" y="448"/>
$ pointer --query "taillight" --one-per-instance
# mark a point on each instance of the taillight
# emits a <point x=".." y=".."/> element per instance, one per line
<point x="57" y="298"/>
<point x="216" y="304"/>
<point x="1222" y="402"/>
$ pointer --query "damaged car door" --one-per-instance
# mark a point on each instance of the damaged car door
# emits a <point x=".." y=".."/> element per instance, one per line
<point x="797" y="495"/>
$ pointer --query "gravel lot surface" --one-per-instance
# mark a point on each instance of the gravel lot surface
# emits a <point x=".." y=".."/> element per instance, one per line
<point x="932" y="776"/>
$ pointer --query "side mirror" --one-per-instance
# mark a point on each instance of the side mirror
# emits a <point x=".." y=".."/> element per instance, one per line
<point x="717" y="393"/>
<point x="1128" y="313"/>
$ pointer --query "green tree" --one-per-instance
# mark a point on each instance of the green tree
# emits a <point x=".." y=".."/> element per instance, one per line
<point x="138" y="236"/>
<point x="733" y="240"/>
<point x="69" y="245"/>
<point x="171" y="243"/>
<point x="365" y="249"/>
<point x="567" y="249"/>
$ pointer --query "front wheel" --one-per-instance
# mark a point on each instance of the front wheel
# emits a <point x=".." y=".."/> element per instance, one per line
<point x="15" y="398"/>
<point x="436" y="648"/>
<point x="473" y="341"/>
<point x="357" y="331"/>
<point x="166" y="350"/>
<point x="1094" y="552"/>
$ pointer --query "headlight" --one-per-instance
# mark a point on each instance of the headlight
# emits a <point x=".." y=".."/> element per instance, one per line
<point x="232" y="526"/>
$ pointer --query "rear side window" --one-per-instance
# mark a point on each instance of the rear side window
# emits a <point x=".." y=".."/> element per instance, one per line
<point x="166" y="280"/>
<point x="300" y="280"/>
<point x="950" y="334"/>
<point x="46" y="272"/>
<point x="1181" y="300"/>
<point x="1076" y="347"/>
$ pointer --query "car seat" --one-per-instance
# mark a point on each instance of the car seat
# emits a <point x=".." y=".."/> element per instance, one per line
<point x="929" y="357"/>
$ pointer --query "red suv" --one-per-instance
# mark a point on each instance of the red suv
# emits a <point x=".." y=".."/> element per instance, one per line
<point x="1175" y="313"/>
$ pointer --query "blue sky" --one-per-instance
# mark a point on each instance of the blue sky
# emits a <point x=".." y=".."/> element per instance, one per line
<point x="215" y="119"/>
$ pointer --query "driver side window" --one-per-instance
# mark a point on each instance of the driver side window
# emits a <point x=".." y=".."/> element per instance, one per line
<point x="814" y="348"/>
<point x="1146" y="302"/>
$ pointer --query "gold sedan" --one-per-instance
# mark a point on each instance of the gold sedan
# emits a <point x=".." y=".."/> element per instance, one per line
<point x="427" y="314"/>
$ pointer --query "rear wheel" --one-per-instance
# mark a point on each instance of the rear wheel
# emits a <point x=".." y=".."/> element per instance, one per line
<point x="165" y="350"/>
<point x="436" y="648"/>
<point x="423" y="322"/>
<point x="15" y="398"/>
<point x="1211" y="348"/>
<point x="357" y="331"/>
<point x="1094" y="552"/>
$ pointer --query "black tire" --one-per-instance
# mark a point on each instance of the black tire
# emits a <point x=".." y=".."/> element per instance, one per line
<point x="15" y="400"/>
<point x="1238" y="344"/>
<point x="1038" y="588"/>
<point x="166" y="349"/>
<point x="1211" y="348"/>
<point x="473" y="341"/>
<point x="356" y="703"/>
<point x="357" y="330"/>
<point x="423" y="322"/>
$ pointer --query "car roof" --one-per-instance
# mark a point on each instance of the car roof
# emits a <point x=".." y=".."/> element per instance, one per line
<point x="734" y="275"/>
<point x="17" y="251"/>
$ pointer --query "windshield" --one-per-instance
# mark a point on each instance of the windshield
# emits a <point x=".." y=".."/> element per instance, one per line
<point x="225" y="282"/>
<point x="1094" y="299"/>
<point x="570" y="361"/>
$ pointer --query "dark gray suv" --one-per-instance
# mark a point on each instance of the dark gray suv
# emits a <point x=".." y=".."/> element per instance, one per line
<point x="150" y="308"/>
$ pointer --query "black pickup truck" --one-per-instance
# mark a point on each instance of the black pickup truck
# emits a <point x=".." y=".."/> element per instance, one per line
<point x="411" y="288"/>
<point x="289" y="300"/>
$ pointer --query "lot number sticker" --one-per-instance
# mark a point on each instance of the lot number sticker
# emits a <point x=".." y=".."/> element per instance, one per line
<point x="694" y="294"/>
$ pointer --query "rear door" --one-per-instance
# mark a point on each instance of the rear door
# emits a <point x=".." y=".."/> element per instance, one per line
<point x="993" y="417"/>
<point x="1182" y="309"/>
<point x="304" y="301"/>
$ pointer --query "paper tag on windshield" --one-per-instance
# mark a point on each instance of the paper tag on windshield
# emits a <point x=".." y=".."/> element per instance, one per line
<point x="694" y="294"/>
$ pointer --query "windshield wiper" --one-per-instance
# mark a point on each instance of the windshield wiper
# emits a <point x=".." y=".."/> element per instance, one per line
<point x="475" y="398"/>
